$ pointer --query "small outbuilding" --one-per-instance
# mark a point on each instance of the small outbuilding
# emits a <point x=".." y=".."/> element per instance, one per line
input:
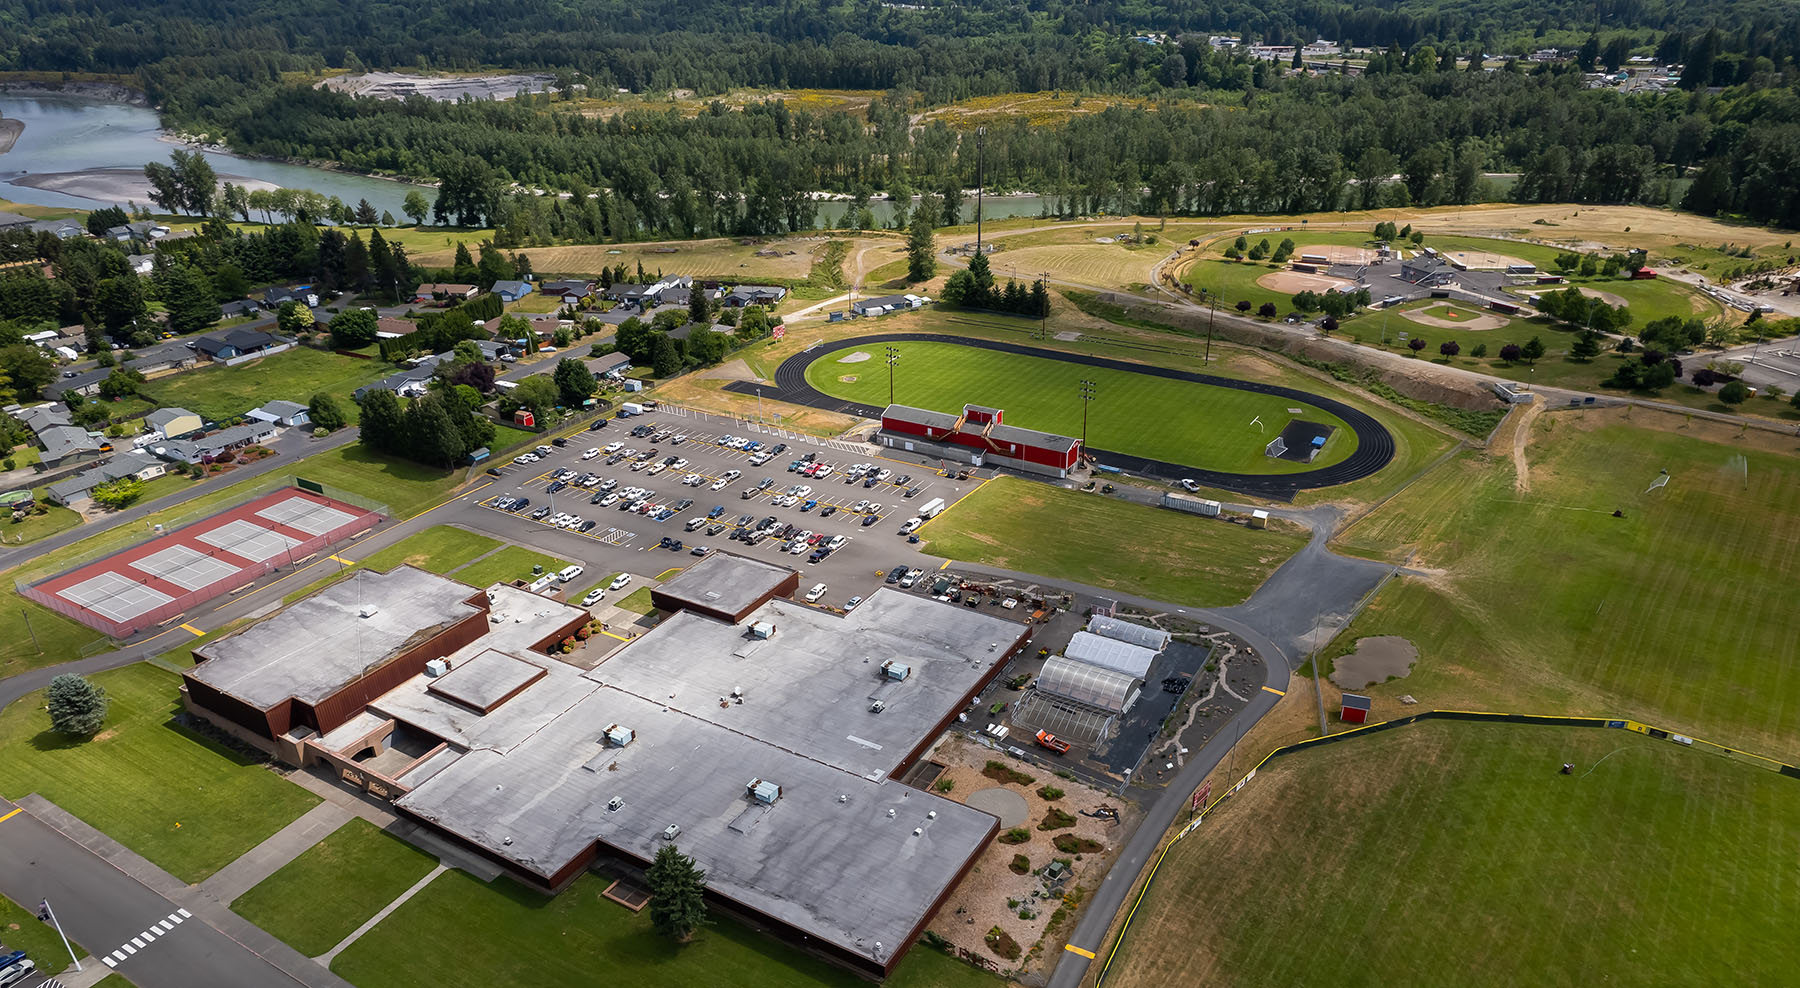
<point x="1355" y="709"/>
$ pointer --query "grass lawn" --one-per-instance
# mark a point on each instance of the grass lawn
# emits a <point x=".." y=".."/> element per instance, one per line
<point x="580" y="939"/>
<point x="407" y="488"/>
<point x="172" y="796"/>
<point x="1679" y="613"/>
<point x="25" y="455"/>
<point x="536" y="303"/>
<point x="1449" y="853"/>
<point x="220" y="393"/>
<point x="510" y="563"/>
<point x="637" y="601"/>
<point x="32" y="635"/>
<point x="322" y="896"/>
<point x="439" y="549"/>
<point x="168" y="483"/>
<point x="20" y="930"/>
<point x="1178" y="421"/>
<point x="35" y="526"/>
<point x="1105" y="542"/>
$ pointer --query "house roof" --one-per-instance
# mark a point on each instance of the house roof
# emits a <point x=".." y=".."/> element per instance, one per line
<point x="283" y="407"/>
<point x="123" y="465"/>
<point x="14" y="219"/>
<point x="447" y="288"/>
<point x="395" y="327"/>
<point x="511" y="287"/>
<point x="608" y="363"/>
<point x="571" y="287"/>
<point x="62" y="440"/>
<point x="40" y="417"/>
<point x="163" y="416"/>
<point x="82" y="380"/>
<point x="239" y="307"/>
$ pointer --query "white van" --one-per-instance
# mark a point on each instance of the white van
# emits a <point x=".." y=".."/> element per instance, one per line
<point x="569" y="573"/>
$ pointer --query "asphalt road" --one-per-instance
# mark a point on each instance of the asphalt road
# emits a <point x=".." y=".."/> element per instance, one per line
<point x="157" y="943"/>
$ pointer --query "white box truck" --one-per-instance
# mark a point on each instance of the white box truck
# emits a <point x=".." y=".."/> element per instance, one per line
<point x="932" y="508"/>
<point x="632" y="408"/>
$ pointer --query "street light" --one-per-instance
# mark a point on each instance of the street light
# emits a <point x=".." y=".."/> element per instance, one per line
<point x="893" y="357"/>
<point x="48" y="915"/>
<point x="1087" y="397"/>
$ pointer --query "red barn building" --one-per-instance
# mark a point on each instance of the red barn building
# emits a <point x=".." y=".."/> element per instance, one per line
<point x="978" y="436"/>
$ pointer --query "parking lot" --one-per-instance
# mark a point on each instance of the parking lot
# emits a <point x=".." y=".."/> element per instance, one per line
<point x="681" y="485"/>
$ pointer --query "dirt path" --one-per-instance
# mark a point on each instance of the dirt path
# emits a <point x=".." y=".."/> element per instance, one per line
<point x="1521" y="434"/>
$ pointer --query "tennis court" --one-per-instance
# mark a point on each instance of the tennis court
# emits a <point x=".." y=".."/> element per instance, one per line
<point x="155" y="581"/>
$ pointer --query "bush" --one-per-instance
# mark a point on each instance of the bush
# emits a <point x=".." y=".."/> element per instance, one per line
<point x="1735" y="393"/>
<point x="944" y="785"/>
<point x="1021" y="865"/>
<point x="1267" y="310"/>
<point x="999" y="771"/>
<point x="1056" y="820"/>
<point x="1071" y="844"/>
<point x="1050" y="793"/>
<point x="1017" y="835"/>
<point x="1000" y="943"/>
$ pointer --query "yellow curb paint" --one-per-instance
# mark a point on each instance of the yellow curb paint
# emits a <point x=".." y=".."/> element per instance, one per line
<point x="1071" y="948"/>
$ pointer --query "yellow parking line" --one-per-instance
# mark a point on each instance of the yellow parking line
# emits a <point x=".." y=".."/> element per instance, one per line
<point x="191" y="628"/>
<point x="619" y="637"/>
<point x="9" y="816"/>
<point x="945" y="566"/>
<point x="1071" y="948"/>
<point x="1271" y="689"/>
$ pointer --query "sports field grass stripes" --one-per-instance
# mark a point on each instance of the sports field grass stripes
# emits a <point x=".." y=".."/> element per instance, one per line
<point x="1468" y="716"/>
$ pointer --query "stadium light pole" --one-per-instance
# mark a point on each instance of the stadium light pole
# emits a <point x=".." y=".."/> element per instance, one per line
<point x="893" y="357"/>
<point x="1087" y="398"/>
<point x="980" y="181"/>
<point x="1044" y="316"/>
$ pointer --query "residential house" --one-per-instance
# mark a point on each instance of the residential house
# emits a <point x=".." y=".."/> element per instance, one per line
<point x="132" y="463"/>
<point x="140" y="263"/>
<point x="764" y="295"/>
<point x="281" y="412"/>
<point x="242" y="307"/>
<point x="613" y="365"/>
<point x="303" y="295"/>
<point x="683" y="295"/>
<point x="174" y="423"/>
<point x="542" y="327"/>
<point x="141" y="230"/>
<point x="620" y="292"/>
<point x="85" y="383"/>
<point x="685" y="330"/>
<point x="408" y="382"/>
<point x="389" y="328"/>
<point x="511" y="291"/>
<point x="42" y="338"/>
<point x="61" y="229"/>
<point x="10" y="221"/>
<point x="651" y="296"/>
<point x="430" y="291"/>
<point x="203" y="448"/>
<point x="235" y="343"/>
<point x="570" y="292"/>
<point x="884" y="304"/>
<point x="166" y="356"/>
<point x="61" y="439"/>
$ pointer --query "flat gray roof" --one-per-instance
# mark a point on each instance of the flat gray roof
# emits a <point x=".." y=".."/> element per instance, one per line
<point x="725" y="582"/>
<point x="486" y="679"/>
<point x="835" y="856"/>
<point x="809" y="688"/>
<point x="314" y="646"/>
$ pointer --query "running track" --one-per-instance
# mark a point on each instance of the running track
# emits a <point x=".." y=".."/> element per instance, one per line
<point x="1374" y="448"/>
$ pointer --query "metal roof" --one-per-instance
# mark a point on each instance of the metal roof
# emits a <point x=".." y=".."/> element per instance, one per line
<point x="1125" y="631"/>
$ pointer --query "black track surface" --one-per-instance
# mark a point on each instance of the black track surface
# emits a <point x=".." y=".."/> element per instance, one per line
<point x="1374" y="449"/>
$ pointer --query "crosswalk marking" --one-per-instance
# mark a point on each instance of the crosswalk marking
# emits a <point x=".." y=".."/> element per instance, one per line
<point x="128" y="948"/>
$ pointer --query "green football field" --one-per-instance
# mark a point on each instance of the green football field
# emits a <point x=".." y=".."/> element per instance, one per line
<point x="1137" y="414"/>
<point x="1457" y="854"/>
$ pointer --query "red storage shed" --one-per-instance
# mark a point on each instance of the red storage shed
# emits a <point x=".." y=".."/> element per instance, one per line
<point x="1355" y="709"/>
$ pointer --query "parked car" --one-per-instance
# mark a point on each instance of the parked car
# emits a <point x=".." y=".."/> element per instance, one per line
<point x="817" y="591"/>
<point x="619" y="582"/>
<point x="593" y="597"/>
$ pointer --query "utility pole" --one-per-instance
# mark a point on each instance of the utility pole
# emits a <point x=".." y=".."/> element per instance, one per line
<point x="1044" y="316"/>
<point x="1212" y="312"/>
<point x="34" y="638"/>
<point x="893" y="357"/>
<point x="1087" y="398"/>
<point x="48" y="915"/>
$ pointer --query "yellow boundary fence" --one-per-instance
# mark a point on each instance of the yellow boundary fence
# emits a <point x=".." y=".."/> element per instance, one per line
<point x="1543" y="720"/>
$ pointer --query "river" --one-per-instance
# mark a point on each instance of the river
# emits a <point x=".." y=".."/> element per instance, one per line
<point x="80" y="152"/>
<point x="97" y="148"/>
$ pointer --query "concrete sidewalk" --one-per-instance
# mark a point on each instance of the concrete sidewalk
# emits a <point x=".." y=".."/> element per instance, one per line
<point x="266" y="858"/>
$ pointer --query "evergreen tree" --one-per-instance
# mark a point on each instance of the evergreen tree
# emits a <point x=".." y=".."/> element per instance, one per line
<point x="463" y="267"/>
<point x="981" y="282"/>
<point x="326" y="412"/>
<point x="699" y="306"/>
<point x="357" y="263"/>
<point x="188" y="297"/>
<point x="77" y="707"/>
<point x="677" y="894"/>
<point x="365" y="213"/>
<point x="921" y="251"/>
<point x="383" y="421"/>
<point x="574" y="382"/>
<point x="434" y="437"/>
<point x="1532" y="350"/>
<point x="665" y="360"/>
<point x="1040" y="299"/>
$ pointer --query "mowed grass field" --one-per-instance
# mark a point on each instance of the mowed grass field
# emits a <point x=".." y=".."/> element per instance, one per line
<point x="439" y="549"/>
<point x="316" y="900"/>
<point x="1454" y="853"/>
<point x="169" y="794"/>
<point x="1680" y="613"/>
<point x="1105" y="542"/>
<point x="460" y="933"/>
<point x="1179" y="421"/>
<point x="219" y="393"/>
<point x="717" y="258"/>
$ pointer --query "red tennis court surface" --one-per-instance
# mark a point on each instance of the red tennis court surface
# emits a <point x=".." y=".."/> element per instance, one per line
<point x="148" y="584"/>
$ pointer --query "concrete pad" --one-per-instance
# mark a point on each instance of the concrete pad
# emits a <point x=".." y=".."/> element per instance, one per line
<point x="1009" y="806"/>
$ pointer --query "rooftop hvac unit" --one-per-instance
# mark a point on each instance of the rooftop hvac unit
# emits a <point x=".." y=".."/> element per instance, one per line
<point x="369" y="610"/>
<point x="617" y="736"/>
<point x="615" y="803"/>
<point x="436" y="668"/>
<point x="763" y="791"/>
<point x="762" y="629"/>
<point x="895" y="670"/>
<point x="877" y="707"/>
<point x="672" y="831"/>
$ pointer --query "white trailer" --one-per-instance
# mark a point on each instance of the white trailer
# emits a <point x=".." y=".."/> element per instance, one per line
<point x="932" y="508"/>
<point x="1192" y="505"/>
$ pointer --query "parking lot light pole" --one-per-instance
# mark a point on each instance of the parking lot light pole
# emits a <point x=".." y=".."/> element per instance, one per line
<point x="48" y="915"/>
<point x="893" y="357"/>
<point x="1087" y="398"/>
